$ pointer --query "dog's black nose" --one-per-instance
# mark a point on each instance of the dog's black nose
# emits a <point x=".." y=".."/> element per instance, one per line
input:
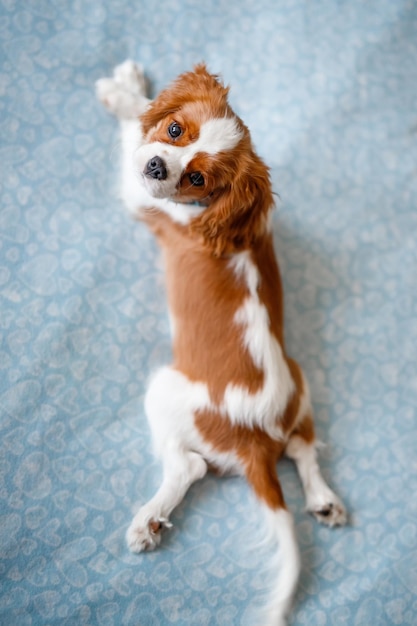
<point x="156" y="168"/>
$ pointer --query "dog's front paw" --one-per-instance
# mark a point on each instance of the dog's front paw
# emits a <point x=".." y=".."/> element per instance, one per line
<point x="329" y="510"/>
<point x="145" y="533"/>
<point x="124" y="94"/>
<point x="131" y="77"/>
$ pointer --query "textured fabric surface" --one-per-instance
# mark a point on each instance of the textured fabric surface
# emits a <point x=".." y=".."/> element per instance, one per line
<point x="329" y="91"/>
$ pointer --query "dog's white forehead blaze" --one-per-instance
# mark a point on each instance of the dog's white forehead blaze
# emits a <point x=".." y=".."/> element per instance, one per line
<point x="218" y="134"/>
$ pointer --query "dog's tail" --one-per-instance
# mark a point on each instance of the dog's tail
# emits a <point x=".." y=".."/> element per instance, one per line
<point x="279" y="541"/>
<point x="283" y="568"/>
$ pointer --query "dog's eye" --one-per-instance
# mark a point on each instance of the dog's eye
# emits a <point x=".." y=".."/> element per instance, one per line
<point x="174" y="130"/>
<point x="196" y="179"/>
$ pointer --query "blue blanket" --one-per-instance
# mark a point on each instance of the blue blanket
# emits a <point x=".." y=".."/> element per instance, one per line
<point x="329" y="91"/>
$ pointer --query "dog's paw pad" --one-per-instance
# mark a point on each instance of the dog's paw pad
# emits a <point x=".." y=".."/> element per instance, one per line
<point x="333" y="513"/>
<point x="146" y="536"/>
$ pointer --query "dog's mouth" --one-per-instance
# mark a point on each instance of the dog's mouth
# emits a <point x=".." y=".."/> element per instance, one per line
<point x="161" y="179"/>
<point x="160" y="188"/>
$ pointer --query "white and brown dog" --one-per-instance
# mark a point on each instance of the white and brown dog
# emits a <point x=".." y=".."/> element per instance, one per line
<point x="232" y="400"/>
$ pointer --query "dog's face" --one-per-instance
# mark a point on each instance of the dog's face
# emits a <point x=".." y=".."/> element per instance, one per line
<point x="190" y="138"/>
<point x="197" y="150"/>
<point x="185" y="160"/>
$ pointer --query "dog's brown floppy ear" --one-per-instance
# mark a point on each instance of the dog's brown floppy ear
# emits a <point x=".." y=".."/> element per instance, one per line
<point x="166" y="103"/>
<point x="240" y="214"/>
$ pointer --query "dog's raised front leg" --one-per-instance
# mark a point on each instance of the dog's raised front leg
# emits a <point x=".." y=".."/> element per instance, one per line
<point x="124" y="94"/>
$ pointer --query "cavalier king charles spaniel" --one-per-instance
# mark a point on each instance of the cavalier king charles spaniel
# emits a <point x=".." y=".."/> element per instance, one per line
<point x="232" y="400"/>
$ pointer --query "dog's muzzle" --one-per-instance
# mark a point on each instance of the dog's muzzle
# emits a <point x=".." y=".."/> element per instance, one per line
<point x="156" y="168"/>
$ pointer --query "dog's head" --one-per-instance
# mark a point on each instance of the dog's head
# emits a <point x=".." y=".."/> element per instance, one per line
<point x="196" y="149"/>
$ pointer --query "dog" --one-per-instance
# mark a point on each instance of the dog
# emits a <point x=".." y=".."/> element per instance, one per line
<point x="232" y="400"/>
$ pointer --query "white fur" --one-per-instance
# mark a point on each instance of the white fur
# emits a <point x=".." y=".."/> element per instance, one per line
<point x="284" y="566"/>
<point x="181" y="467"/>
<point x="244" y="269"/>
<point x="216" y="135"/>
<point x="170" y="404"/>
<point x="264" y="407"/>
<point x="321" y="501"/>
<point x="125" y="93"/>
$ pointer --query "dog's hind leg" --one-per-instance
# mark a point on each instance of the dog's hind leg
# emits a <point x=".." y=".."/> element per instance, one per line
<point x="170" y="403"/>
<point x="181" y="468"/>
<point x="321" y="501"/>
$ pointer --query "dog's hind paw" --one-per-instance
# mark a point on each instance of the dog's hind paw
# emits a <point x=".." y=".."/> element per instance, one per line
<point x="331" y="512"/>
<point x="145" y="534"/>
